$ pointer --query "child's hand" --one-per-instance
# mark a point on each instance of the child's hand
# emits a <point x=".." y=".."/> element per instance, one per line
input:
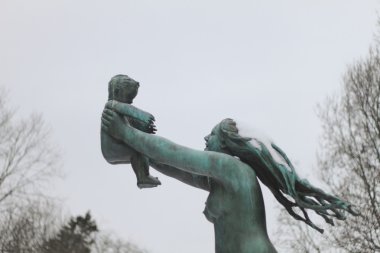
<point x="151" y="128"/>
<point x="147" y="118"/>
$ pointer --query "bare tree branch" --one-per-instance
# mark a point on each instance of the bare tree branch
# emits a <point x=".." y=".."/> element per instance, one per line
<point x="27" y="158"/>
<point x="349" y="163"/>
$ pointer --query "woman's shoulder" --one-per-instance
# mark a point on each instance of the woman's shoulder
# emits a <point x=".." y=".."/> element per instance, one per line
<point x="235" y="171"/>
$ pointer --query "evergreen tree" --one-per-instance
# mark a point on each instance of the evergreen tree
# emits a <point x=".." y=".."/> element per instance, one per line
<point x="76" y="236"/>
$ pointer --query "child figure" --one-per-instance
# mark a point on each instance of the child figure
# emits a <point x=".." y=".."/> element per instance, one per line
<point x="121" y="92"/>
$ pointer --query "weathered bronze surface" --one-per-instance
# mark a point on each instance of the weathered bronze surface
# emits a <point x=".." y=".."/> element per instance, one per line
<point x="121" y="92"/>
<point x="228" y="169"/>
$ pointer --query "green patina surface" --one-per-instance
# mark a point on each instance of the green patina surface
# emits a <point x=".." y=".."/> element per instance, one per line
<point x="121" y="92"/>
<point x="235" y="204"/>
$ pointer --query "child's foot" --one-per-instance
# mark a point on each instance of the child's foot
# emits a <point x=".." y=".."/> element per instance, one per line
<point x="148" y="182"/>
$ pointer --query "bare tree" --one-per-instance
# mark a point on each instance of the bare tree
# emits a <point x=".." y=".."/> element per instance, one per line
<point x="27" y="159"/>
<point x="349" y="162"/>
<point x="30" y="220"/>
<point x="23" y="229"/>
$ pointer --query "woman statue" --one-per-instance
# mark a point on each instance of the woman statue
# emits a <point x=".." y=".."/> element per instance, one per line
<point x="228" y="170"/>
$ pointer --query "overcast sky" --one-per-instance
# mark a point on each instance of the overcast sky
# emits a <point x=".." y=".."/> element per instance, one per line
<point x="265" y="62"/>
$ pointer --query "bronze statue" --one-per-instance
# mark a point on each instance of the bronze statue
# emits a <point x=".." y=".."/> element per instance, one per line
<point x="121" y="92"/>
<point x="228" y="169"/>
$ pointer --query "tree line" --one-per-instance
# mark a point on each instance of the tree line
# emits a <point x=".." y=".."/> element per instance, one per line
<point x="30" y="221"/>
<point x="348" y="163"/>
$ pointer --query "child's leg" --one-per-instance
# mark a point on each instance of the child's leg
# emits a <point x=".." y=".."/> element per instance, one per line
<point x="140" y="165"/>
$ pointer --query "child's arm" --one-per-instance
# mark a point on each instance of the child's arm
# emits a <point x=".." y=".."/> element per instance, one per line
<point x="131" y="111"/>
<point x="142" y="126"/>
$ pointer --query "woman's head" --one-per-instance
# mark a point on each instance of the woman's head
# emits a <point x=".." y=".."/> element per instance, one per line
<point x="225" y="138"/>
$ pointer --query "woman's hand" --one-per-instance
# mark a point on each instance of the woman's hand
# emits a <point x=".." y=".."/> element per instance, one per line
<point x="114" y="124"/>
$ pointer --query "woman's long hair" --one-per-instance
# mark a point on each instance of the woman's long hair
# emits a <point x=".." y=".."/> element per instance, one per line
<point x="281" y="178"/>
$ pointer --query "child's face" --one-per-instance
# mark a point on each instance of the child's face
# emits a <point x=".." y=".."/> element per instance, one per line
<point x="128" y="92"/>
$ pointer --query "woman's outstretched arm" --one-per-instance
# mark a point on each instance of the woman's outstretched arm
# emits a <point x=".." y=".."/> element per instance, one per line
<point x="210" y="164"/>
<point x="194" y="180"/>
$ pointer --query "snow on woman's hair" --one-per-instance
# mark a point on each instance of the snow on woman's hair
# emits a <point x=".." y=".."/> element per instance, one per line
<point x="257" y="137"/>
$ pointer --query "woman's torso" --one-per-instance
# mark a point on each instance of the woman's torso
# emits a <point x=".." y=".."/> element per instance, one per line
<point x="235" y="206"/>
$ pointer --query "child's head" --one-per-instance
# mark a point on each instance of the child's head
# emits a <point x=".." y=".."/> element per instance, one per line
<point x="122" y="88"/>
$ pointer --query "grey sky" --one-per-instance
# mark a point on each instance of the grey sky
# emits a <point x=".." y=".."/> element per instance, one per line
<point x="267" y="63"/>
